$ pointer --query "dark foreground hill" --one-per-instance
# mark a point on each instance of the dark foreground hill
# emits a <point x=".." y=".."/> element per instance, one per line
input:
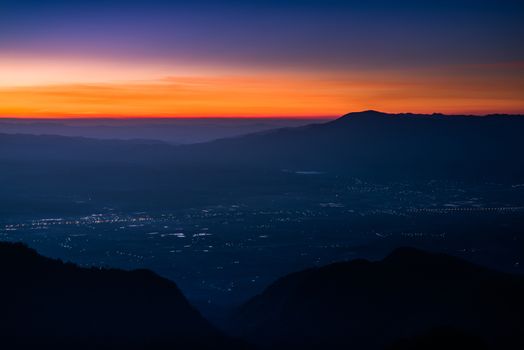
<point x="47" y="304"/>
<point x="431" y="301"/>
<point x="410" y="300"/>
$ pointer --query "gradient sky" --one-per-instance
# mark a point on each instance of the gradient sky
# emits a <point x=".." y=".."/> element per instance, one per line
<point x="259" y="58"/>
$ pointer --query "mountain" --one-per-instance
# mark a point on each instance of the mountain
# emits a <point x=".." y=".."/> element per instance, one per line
<point x="372" y="144"/>
<point x="409" y="295"/>
<point x="50" y="304"/>
<point x="367" y="144"/>
<point x="169" y="130"/>
<point x="44" y="148"/>
<point x="50" y="174"/>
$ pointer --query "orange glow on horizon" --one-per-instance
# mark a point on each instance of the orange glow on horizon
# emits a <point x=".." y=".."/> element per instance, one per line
<point x="46" y="90"/>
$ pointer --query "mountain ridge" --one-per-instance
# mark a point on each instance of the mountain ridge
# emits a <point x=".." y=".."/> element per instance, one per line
<point x="58" y="305"/>
<point x="372" y="304"/>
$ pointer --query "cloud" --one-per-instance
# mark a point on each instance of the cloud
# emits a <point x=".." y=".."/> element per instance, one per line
<point x="448" y="90"/>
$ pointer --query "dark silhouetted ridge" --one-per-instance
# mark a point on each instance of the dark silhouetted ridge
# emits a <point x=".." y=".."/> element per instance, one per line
<point x="50" y="304"/>
<point x="367" y="144"/>
<point x="373" y="144"/>
<point x="407" y="298"/>
<point x="365" y="114"/>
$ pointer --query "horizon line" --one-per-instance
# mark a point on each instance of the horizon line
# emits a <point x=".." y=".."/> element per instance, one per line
<point x="168" y="117"/>
<point x="312" y="117"/>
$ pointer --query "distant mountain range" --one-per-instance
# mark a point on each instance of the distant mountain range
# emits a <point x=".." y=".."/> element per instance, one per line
<point x="41" y="172"/>
<point x="420" y="297"/>
<point x="48" y="304"/>
<point x="168" y="130"/>
<point x="365" y="144"/>
<point x="388" y="146"/>
<point x="410" y="300"/>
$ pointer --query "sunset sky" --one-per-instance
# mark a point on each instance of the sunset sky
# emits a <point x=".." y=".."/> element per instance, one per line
<point x="259" y="58"/>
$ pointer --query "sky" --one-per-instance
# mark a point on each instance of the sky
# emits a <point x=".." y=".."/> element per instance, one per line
<point x="308" y="58"/>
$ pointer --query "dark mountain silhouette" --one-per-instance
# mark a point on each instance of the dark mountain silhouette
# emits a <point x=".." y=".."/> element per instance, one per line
<point x="441" y="338"/>
<point x="367" y="144"/>
<point x="401" y="301"/>
<point x="170" y="130"/>
<point x="380" y="145"/>
<point x="50" y="304"/>
<point x="370" y="145"/>
<point x="25" y="147"/>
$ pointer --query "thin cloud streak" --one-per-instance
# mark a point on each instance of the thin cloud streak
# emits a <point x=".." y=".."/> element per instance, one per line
<point x="449" y="90"/>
